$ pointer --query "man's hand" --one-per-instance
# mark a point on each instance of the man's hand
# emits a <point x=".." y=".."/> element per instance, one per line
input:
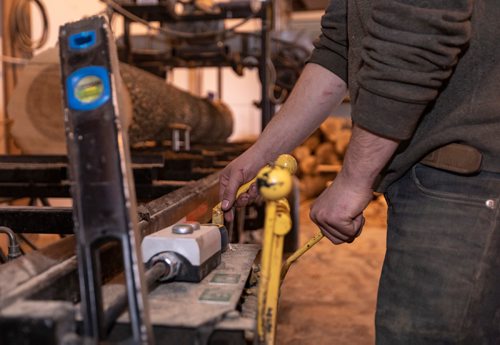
<point x="237" y="173"/>
<point x="338" y="211"/>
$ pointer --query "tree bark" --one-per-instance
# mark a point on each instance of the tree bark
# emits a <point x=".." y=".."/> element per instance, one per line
<point x="37" y="110"/>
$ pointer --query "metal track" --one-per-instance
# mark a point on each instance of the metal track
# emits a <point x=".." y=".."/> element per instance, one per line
<point x="194" y="200"/>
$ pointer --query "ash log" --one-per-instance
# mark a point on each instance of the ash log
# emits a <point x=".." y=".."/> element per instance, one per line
<point x="38" y="123"/>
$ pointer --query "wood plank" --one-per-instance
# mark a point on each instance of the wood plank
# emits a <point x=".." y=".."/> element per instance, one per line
<point x="7" y="72"/>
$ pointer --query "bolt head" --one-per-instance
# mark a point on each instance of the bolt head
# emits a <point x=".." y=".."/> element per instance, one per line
<point x="182" y="229"/>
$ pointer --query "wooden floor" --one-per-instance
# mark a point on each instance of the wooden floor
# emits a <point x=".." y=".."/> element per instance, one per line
<point x="329" y="296"/>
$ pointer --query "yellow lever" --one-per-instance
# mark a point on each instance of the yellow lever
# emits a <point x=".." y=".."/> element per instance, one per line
<point x="275" y="183"/>
<point x="285" y="161"/>
<point x="299" y="252"/>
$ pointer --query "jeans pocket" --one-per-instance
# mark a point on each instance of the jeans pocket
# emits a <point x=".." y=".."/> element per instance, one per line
<point x="439" y="229"/>
<point x="446" y="186"/>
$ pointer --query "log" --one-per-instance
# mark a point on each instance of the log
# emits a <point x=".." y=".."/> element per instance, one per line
<point x="308" y="165"/>
<point x="301" y="152"/>
<point x="38" y="122"/>
<point x="342" y="141"/>
<point x="328" y="169"/>
<point x="157" y="105"/>
<point x="313" y="141"/>
<point x="333" y="127"/>
<point x="320" y="162"/>
<point x="312" y="185"/>
<point x="330" y="127"/>
<point x="327" y="154"/>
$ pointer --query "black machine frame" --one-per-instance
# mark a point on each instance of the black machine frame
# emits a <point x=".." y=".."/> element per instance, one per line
<point x="205" y="58"/>
<point x="38" y="290"/>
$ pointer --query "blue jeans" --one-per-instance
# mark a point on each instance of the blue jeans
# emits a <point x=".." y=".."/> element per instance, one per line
<point x="440" y="281"/>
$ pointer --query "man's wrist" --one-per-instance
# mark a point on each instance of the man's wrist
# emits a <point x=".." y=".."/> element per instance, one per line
<point x="263" y="153"/>
<point x="366" y="156"/>
<point x="357" y="177"/>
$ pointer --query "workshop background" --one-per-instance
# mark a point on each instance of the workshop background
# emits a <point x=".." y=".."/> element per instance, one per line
<point x="329" y="296"/>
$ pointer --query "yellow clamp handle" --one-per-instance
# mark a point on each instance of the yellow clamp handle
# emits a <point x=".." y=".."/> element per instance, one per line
<point x="286" y="161"/>
<point x="301" y="251"/>
<point x="275" y="183"/>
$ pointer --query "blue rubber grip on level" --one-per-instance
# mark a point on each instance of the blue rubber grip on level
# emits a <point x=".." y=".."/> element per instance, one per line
<point x="88" y="88"/>
<point x="82" y="40"/>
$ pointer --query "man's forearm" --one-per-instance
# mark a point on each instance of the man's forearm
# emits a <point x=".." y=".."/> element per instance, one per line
<point x="314" y="96"/>
<point x="338" y="211"/>
<point x="366" y="156"/>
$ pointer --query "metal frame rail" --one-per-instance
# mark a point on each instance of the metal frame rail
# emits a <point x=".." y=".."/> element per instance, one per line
<point x="46" y="281"/>
<point x="163" y="14"/>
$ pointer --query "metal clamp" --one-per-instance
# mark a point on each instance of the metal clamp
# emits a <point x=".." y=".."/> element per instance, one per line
<point x="179" y="129"/>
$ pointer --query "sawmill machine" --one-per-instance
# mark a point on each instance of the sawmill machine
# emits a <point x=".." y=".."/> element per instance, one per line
<point x="141" y="258"/>
<point x="51" y="296"/>
<point x="202" y="289"/>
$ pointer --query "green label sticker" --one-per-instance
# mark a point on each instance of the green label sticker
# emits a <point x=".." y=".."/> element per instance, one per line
<point x="89" y="89"/>
<point x="223" y="278"/>
<point x="216" y="295"/>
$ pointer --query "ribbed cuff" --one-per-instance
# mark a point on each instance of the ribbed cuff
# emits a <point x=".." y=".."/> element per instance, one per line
<point x="330" y="60"/>
<point x="385" y="116"/>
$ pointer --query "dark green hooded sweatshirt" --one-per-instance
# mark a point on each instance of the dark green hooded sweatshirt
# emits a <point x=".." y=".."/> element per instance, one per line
<point x="426" y="72"/>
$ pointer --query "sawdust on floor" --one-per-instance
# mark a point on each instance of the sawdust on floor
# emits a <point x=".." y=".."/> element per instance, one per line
<point x="329" y="296"/>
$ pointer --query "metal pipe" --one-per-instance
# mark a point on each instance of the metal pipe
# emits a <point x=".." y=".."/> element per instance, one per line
<point x="219" y="83"/>
<point x="267" y="26"/>
<point x="187" y="139"/>
<point x="14" y="250"/>
<point x="120" y="301"/>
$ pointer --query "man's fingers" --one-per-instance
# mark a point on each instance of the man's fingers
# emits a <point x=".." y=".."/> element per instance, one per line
<point x="359" y="223"/>
<point x="332" y="238"/>
<point x="329" y="231"/>
<point x="230" y="187"/>
<point x="253" y="191"/>
<point x="334" y="232"/>
<point x="229" y="216"/>
<point x="243" y="200"/>
<point x="248" y="197"/>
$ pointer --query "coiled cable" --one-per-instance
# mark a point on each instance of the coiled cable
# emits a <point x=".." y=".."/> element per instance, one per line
<point x="20" y="26"/>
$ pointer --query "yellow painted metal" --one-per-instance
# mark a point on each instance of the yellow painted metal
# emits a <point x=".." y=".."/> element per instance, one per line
<point x="218" y="215"/>
<point x="265" y="270"/>
<point x="285" y="161"/>
<point x="275" y="185"/>
<point x="288" y="162"/>
<point x="301" y="251"/>
<point x="282" y="225"/>
<point x="275" y="182"/>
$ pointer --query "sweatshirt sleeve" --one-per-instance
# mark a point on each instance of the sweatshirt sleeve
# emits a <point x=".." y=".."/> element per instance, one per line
<point x="409" y="52"/>
<point x="330" y="49"/>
